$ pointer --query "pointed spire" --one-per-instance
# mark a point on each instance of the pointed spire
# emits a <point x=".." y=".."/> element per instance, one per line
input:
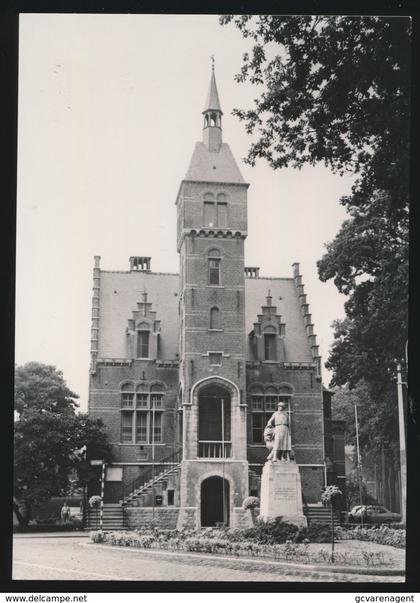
<point x="213" y="102"/>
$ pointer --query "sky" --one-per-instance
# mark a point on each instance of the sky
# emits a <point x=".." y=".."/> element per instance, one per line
<point x="109" y="111"/>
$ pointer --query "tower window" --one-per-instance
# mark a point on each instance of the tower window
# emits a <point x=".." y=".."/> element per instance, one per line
<point x="214" y="318"/>
<point x="270" y="346"/>
<point x="209" y="214"/>
<point x="222" y="215"/>
<point x="214" y="271"/>
<point x="142" y="344"/>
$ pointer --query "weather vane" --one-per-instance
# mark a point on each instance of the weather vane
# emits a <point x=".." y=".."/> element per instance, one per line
<point x="212" y="61"/>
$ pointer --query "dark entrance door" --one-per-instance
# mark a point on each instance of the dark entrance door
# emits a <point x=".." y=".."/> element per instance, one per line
<point x="214" y="501"/>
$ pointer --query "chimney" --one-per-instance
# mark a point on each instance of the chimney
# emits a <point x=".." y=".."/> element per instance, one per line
<point x="140" y="263"/>
<point x="252" y="272"/>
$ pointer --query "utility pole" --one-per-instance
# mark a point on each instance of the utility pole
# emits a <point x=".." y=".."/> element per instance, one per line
<point x="153" y="457"/>
<point x="223" y="462"/>
<point x="403" y="454"/>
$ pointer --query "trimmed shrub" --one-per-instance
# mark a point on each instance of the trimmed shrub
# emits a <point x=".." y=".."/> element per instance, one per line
<point x="274" y="531"/>
<point x="315" y="532"/>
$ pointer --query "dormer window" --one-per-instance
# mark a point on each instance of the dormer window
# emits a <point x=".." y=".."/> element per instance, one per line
<point x="270" y="346"/>
<point x="143" y="344"/>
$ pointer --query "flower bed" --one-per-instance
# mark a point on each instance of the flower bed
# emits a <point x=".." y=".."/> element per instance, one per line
<point x="213" y="541"/>
<point x="381" y="535"/>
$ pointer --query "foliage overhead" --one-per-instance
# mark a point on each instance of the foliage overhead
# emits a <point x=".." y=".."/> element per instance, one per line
<point x="333" y="90"/>
<point x="337" y="90"/>
<point x="42" y="387"/>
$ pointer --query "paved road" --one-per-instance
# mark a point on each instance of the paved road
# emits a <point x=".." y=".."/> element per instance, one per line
<point x="58" y="558"/>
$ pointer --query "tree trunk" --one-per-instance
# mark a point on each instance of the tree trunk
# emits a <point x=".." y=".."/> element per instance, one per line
<point x="332" y="533"/>
<point x="23" y="518"/>
<point x="252" y="516"/>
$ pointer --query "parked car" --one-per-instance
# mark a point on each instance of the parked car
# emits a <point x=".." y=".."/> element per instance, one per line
<point x="372" y="514"/>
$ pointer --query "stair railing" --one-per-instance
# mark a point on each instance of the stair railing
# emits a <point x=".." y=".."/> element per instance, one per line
<point x="152" y="472"/>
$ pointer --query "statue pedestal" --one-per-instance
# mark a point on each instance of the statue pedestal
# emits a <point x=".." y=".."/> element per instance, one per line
<point x="281" y="493"/>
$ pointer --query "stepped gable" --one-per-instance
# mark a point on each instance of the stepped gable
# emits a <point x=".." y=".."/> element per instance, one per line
<point x="269" y="317"/>
<point x="213" y="166"/>
<point x="307" y="316"/>
<point x="94" y="332"/>
<point x="118" y="296"/>
<point x="143" y="312"/>
<point x="286" y="300"/>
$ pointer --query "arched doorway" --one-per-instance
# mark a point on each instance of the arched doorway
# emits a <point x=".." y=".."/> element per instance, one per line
<point x="214" y="501"/>
<point x="214" y="418"/>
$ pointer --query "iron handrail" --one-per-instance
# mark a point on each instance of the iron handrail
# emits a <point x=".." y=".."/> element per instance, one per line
<point x="152" y="472"/>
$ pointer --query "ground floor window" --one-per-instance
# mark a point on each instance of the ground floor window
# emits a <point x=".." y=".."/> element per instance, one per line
<point x="262" y="408"/>
<point x="138" y="426"/>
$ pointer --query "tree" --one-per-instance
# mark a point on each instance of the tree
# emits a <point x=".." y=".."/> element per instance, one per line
<point x="336" y="90"/>
<point x="377" y="417"/>
<point x="41" y="387"/>
<point x="50" y="439"/>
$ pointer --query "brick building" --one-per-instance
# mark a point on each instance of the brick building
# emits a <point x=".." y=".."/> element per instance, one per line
<point x="187" y="368"/>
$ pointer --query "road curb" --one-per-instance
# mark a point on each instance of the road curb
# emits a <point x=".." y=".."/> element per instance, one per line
<point x="297" y="567"/>
<point x="51" y="535"/>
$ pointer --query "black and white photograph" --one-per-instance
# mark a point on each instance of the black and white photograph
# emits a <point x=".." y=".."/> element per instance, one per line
<point x="211" y="329"/>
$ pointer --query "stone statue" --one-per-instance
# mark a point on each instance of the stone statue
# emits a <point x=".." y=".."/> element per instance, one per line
<point x="277" y="435"/>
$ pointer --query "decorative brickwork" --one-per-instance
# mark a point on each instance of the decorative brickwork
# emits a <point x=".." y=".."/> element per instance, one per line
<point x="222" y="343"/>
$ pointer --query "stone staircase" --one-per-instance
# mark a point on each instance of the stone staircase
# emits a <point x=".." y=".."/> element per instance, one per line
<point x="319" y="514"/>
<point x="113" y="518"/>
<point x="150" y="483"/>
<point x="151" y="477"/>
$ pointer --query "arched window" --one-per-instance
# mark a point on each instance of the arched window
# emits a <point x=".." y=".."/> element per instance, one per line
<point x="214" y="267"/>
<point x="156" y="396"/>
<point x="222" y="210"/>
<point x="213" y="119"/>
<point x="209" y="214"/>
<point x="127" y="395"/>
<point x="214" y="318"/>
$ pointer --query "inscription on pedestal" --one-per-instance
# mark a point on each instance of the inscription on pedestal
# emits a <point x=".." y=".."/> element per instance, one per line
<point x="281" y="493"/>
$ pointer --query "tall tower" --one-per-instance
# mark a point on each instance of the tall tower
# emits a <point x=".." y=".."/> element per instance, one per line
<point x="212" y="227"/>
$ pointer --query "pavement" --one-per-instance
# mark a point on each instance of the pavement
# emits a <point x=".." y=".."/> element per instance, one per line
<point x="51" y="557"/>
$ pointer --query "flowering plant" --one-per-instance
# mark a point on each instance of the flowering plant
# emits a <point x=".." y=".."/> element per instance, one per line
<point x="95" y="501"/>
<point x="251" y="502"/>
<point x="330" y="494"/>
